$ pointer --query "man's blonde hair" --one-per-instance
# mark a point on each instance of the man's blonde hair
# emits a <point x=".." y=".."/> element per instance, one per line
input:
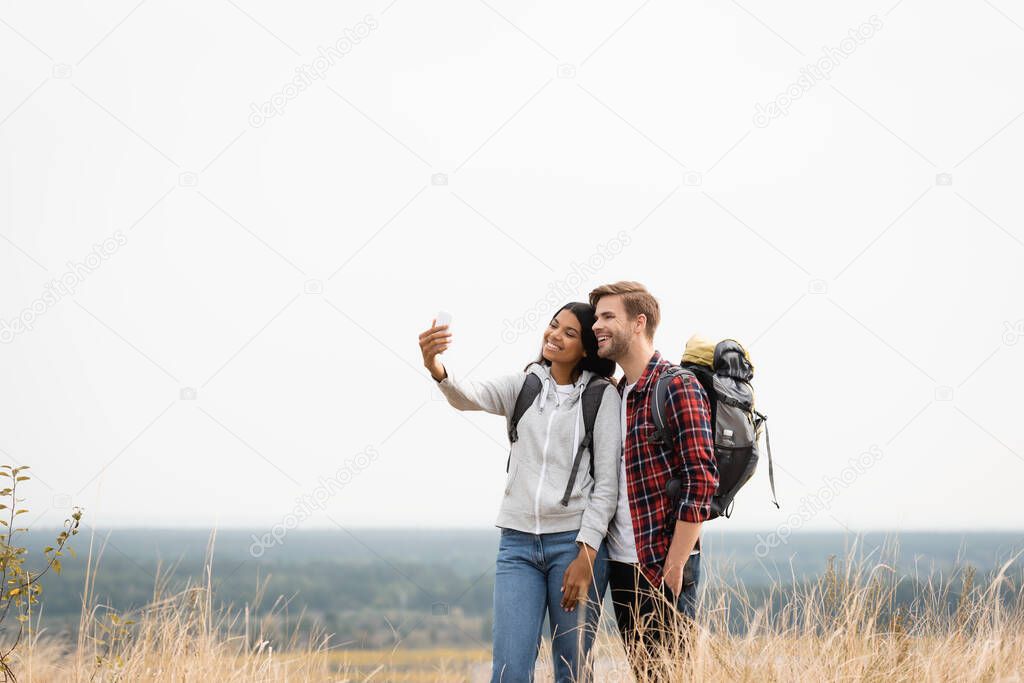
<point x="636" y="300"/>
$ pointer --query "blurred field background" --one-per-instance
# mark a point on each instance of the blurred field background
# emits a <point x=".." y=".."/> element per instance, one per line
<point x="415" y="606"/>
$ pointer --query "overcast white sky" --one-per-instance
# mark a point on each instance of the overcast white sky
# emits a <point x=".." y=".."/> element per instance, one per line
<point x="281" y="266"/>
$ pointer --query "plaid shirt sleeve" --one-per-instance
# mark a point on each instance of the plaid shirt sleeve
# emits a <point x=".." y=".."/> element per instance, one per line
<point x="689" y="420"/>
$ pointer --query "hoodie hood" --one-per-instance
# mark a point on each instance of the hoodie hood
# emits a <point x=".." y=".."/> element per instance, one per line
<point x="547" y="384"/>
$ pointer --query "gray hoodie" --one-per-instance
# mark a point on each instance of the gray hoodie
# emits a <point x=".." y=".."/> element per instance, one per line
<point x="541" y="459"/>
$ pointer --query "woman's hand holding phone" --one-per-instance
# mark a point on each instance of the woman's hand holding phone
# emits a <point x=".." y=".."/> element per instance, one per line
<point x="433" y="342"/>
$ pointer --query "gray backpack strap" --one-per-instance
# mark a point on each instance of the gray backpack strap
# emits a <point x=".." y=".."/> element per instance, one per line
<point x="591" y="399"/>
<point x="527" y="395"/>
<point x="762" y="420"/>
<point x="661" y="437"/>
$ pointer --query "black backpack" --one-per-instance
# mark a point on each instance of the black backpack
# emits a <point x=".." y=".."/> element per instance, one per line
<point x="735" y="423"/>
<point x="591" y="399"/>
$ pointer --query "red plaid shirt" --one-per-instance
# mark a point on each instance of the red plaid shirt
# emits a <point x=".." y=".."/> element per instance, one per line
<point x="649" y="467"/>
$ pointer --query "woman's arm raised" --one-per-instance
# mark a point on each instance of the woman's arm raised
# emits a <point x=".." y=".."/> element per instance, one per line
<point x="495" y="396"/>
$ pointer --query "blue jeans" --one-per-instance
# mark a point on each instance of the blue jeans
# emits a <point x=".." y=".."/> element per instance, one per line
<point x="528" y="585"/>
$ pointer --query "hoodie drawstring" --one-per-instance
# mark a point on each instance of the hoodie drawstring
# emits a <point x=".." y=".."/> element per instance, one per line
<point x="544" y="392"/>
<point x="577" y="393"/>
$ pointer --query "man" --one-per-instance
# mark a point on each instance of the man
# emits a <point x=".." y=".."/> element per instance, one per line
<point x="654" y="537"/>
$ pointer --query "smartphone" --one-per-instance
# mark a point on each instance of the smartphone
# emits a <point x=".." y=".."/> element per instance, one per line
<point x="443" y="318"/>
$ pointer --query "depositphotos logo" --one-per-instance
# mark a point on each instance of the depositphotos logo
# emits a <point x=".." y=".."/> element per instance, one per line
<point x="307" y="504"/>
<point x="567" y="287"/>
<point x="306" y="74"/>
<point x="58" y="288"/>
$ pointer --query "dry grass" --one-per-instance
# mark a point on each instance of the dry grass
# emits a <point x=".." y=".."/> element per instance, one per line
<point x="845" y="626"/>
<point x="848" y="626"/>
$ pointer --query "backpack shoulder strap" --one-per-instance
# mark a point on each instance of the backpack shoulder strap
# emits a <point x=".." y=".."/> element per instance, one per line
<point x="661" y="436"/>
<point x="525" y="399"/>
<point x="591" y="403"/>
<point x="527" y="394"/>
<point x="592" y="397"/>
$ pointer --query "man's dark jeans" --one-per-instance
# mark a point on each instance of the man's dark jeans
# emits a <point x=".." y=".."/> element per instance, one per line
<point x="652" y="623"/>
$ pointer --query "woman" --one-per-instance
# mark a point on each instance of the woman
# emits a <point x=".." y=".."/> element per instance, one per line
<point x="551" y="555"/>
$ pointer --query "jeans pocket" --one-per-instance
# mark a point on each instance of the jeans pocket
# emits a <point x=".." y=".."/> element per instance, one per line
<point x="691" y="571"/>
<point x="510" y="545"/>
